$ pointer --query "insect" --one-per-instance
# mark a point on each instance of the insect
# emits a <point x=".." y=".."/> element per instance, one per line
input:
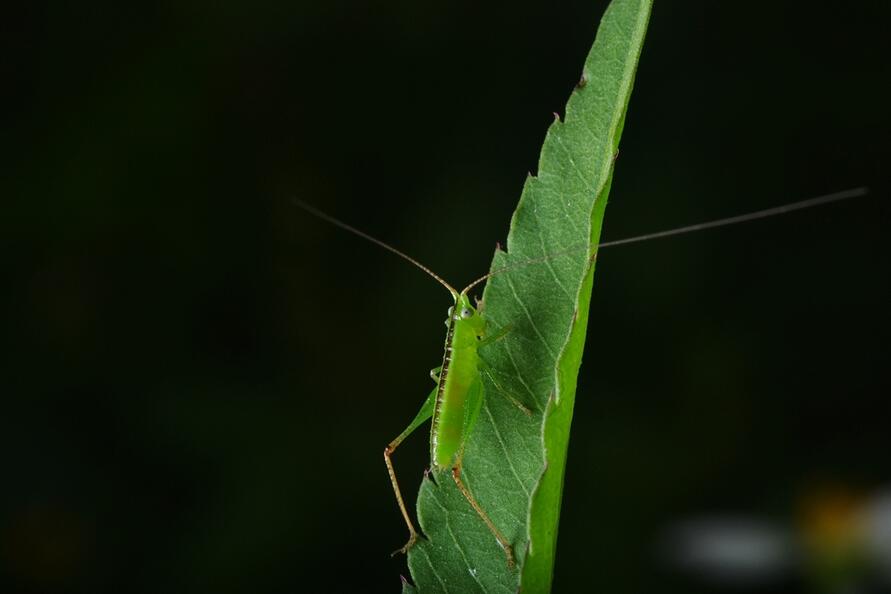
<point x="454" y="404"/>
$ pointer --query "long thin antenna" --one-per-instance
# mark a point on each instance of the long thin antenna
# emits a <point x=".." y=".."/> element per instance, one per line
<point x="338" y="223"/>
<point x="522" y="264"/>
<point x="759" y="214"/>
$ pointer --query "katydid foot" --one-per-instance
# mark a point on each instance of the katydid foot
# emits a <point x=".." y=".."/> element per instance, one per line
<point x="412" y="540"/>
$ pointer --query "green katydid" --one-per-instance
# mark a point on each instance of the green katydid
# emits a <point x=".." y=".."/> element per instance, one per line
<point x="455" y="402"/>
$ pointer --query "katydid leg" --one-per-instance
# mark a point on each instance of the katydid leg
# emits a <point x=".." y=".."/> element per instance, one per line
<point x="425" y="413"/>
<point x="475" y="396"/>
<point x="508" y="549"/>
<point x="496" y="336"/>
<point x="510" y="397"/>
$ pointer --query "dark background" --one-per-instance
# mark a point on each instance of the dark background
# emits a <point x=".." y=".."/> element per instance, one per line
<point x="199" y="379"/>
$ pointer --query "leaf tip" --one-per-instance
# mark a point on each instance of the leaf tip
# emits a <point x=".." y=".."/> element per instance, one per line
<point x="407" y="587"/>
<point x="429" y="476"/>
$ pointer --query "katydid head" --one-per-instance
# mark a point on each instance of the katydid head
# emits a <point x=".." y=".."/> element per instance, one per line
<point x="464" y="314"/>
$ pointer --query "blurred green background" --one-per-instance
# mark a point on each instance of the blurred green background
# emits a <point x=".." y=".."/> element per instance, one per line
<point x="199" y="379"/>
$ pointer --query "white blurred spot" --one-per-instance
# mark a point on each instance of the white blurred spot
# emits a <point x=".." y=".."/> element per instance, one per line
<point x="730" y="550"/>
<point x="878" y="532"/>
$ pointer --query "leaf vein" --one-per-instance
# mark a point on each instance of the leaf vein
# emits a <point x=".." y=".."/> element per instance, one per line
<point x="458" y="545"/>
<point x="432" y="568"/>
<point x="541" y="337"/>
<point x="507" y="455"/>
<point x="554" y="272"/>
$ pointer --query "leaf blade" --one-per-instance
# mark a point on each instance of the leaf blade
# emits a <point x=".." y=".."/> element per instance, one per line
<point x="514" y="464"/>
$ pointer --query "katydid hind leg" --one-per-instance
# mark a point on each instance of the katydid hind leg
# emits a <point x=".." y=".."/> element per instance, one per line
<point x="502" y="540"/>
<point x="425" y="413"/>
<point x="434" y="373"/>
<point x="475" y="396"/>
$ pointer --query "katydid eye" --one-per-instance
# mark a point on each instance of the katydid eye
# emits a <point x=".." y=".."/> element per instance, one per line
<point x="451" y="311"/>
<point x="466" y="313"/>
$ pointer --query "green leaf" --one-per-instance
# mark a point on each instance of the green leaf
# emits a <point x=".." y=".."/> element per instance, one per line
<point x="514" y="464"/>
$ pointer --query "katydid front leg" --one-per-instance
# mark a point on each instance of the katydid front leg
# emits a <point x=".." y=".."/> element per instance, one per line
<point x="495" y="336"/>
<point x="507" y="395"/>
<point x="425" y="413"/>
<point x="484" y="367"/>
